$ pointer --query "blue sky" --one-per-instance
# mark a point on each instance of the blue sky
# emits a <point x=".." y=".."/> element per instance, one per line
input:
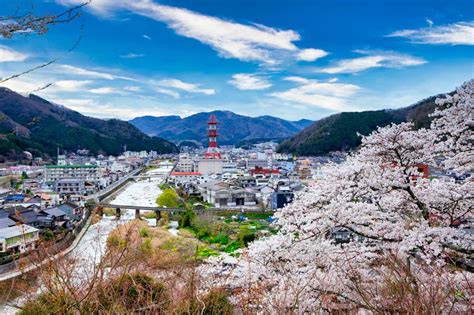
<point x="293" y="59"/>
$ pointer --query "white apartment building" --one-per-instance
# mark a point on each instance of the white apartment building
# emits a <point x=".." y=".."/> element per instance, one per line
<point x="54" y="173"/>
<point x="185" y="164"/>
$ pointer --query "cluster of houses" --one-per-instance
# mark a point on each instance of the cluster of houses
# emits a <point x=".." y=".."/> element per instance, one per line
<point x="50" y="198"/>
<point x="256" y="177"/>
<point x="24" y="217"/>
<point x="75" y="173"/>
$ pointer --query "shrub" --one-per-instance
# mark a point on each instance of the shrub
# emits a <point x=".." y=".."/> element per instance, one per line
<point x="232" y="247"/>
<point x="109" y="212"/>
<point x="186" y="219"/>
<point x="49" y="303"/>
<point x="214" y="303"/>
<point x="217" y="303"/>
<point x="146" y="246"/>
<point x="149" y="215"/>
<point x="222" y="239"/>
<point x="47" y="235"/>
<point x="133" y="292"/>
<point x="145" y="232"/>
<point x="114" y="241"/>
<point x="246" y="237"/>
<point x="169" y="199"/>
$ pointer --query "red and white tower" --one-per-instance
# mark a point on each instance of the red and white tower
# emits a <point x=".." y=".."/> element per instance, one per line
<point x="212" y="150"/>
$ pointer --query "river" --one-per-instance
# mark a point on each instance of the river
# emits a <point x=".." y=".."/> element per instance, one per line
<point x="93" y="245"/>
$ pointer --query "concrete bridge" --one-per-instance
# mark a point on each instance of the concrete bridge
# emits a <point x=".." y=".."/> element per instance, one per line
<point x="148" y="176"/>
<point x="158" y="210"/>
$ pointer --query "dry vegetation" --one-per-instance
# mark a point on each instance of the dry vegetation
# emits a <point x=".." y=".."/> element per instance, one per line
<point x="144" y="270"/>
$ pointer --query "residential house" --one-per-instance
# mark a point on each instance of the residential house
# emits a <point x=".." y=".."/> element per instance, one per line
<point x="23" y="215"/>
<point x="59" y="218"/>
<point x="5" y="221"/>
<point x="222" y="195"/>
<point x="73" y="211"/>
<point x="18" y="238"/>
<point x="247" y="181"/>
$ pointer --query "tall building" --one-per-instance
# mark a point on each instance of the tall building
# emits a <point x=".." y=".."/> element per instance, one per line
<point x="212" y="162"/>
<point x="212" y="149"/>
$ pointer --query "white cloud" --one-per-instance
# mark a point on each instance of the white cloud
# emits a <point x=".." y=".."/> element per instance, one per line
<point x="132" y="88"/>
<point x="21" y="85"/>
<point x="8" y="54"/>
<point x="146" y="36"/>
<point x="245" y="81"/>
<point x="461" y="33"/>
<point x="132" y="56"/>
<point x="297" y="79"/>
<point x="374" y="59"/>
<point x="94" y="108"/>
<point x="73" y="70"/>
<point x="171" y="93"/>
<point x="327" y="95"/>
<point x="69" y="85"/>
<point x="184" y="86"/>
<point x="310" y="54"/>
<point x="430" y="22"/>
<point x="246" y="42"/>
<point x="106" y="90"/>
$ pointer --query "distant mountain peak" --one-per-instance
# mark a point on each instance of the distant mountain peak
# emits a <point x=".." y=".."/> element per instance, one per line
<point x="234" y="128"/>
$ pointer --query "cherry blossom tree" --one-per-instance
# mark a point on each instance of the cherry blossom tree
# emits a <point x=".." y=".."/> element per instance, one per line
<point x="376" y="233"/>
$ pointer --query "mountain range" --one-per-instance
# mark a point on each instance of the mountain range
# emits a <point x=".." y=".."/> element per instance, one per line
<point x="340" y="131"/>
<point x="30" y="123"/>
<point x="233" y="128"/>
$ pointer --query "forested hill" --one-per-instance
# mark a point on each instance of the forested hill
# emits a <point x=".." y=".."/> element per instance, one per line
<point x="40" y="127"/>
<point x="233" y="128"/>
<point x="339" y="132"/>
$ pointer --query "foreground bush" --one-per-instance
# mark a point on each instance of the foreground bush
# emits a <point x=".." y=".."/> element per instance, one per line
<point x="134" y="292"/>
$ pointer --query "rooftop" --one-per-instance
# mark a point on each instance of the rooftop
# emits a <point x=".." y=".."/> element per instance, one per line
<point x="16" y="230"/>
<point x="70" y="166"/>
<point x="185" y="173"/>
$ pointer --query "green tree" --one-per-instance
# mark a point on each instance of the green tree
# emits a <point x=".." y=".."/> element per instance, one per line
<point x="169" y="199"/>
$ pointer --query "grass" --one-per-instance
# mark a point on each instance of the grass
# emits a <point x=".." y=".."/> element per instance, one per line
<point x="205" y="252"/>
<point x="228" y="235"/>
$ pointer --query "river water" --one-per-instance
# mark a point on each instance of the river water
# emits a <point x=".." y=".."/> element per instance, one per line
<point x="92" y="246"/>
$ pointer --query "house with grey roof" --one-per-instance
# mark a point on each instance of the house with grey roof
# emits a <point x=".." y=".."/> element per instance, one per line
<point x="18" y="238"/>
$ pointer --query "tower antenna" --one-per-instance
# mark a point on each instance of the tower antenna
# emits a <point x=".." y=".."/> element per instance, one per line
<point x="212" y="149"/>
